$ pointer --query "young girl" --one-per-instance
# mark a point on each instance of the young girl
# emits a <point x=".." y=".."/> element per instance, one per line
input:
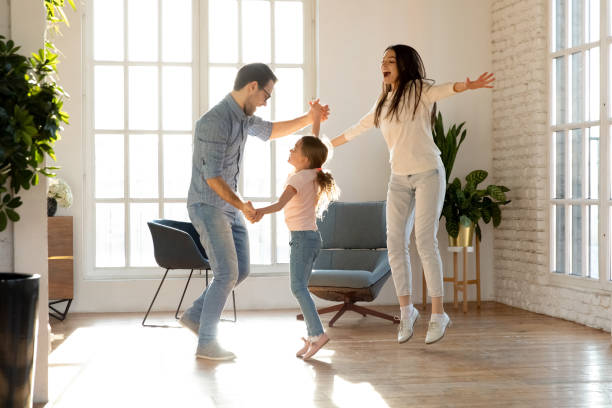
<point x="418" y="183"/>
<point x="308" y="191"/>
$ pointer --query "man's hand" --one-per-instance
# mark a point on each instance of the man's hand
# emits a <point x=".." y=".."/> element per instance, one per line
<point x="249" y="211"/>
<point x="317" y="109"/>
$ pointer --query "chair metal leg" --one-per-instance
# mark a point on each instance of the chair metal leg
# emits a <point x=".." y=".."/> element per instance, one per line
<point x="233" y="303"/>
<point x="176" y="316"/>
<point x="153" y="301"/>
<point x="53" y="312"/>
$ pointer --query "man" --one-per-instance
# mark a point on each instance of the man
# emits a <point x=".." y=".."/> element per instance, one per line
<point x="213" y="204"/>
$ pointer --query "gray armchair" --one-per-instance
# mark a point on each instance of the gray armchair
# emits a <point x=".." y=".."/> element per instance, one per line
<point x="353" y="264"/>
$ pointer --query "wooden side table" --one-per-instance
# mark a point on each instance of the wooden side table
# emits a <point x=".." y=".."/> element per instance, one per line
<point x="460" y="285"/>
<point x="61" y="264"/>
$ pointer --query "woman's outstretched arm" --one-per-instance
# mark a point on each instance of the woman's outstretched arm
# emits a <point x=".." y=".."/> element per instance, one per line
<point x="483" y="81"/>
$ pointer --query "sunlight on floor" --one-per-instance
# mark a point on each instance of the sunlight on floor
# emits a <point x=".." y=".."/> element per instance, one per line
<point x="347" y="394"/>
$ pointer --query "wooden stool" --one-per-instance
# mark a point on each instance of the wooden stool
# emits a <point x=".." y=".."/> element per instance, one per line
<point x="460" y="285"/>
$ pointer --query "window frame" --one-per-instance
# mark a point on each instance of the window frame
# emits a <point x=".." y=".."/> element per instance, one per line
<point x="200" y="105"/>
<point x="604" y="201"/>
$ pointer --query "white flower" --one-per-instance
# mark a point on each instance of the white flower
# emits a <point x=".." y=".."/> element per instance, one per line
<point x="60" y="190"/>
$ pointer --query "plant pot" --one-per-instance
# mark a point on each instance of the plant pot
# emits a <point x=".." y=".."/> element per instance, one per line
<point x="51" y="206"/>
<point x="465" y="236"/>
<point x="18" y="333"/>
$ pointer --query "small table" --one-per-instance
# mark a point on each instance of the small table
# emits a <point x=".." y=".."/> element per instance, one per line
<point x="460" y="285"/>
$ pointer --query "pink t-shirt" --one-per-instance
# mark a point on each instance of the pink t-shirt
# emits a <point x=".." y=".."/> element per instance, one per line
<point x="300" y="211"/>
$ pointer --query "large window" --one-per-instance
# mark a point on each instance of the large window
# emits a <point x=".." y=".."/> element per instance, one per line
<point x="153" y="67"/>
<point x="580" y="201"/>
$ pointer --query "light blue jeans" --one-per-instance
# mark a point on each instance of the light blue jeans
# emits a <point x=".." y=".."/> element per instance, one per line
<point x="415" y="200"/>
<point x="225" y="239"/>
<point x="305" y="247"/>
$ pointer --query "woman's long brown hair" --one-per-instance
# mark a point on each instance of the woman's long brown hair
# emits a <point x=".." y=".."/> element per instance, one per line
<point x="411" y="78"/>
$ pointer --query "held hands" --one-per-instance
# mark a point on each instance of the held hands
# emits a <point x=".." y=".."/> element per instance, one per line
<point x="318" y="111"/>
<point x="251" y="213"/>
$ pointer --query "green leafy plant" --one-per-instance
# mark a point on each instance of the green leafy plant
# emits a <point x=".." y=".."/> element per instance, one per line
<point x="463" y="204"/>
<point x="30" y="121"/>
<point x="55" y="13"/>
<point x="448" y="142"/>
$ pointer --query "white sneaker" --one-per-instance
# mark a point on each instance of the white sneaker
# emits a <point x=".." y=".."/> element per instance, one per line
<point x="213" y="351"/>
<point x="406" y="326"/>
<point x="437" y="329"/>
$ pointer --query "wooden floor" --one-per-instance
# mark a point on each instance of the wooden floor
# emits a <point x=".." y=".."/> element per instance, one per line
<point x="496" y="356"/>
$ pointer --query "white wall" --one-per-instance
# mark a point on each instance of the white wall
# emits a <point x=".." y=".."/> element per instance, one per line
<point x="353" y="35"/>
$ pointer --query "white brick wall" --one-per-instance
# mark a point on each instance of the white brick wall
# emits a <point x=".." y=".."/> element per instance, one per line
<point x="520" y="131"/>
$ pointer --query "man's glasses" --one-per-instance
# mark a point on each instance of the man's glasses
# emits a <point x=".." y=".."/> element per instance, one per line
<point x="268" y="95"/>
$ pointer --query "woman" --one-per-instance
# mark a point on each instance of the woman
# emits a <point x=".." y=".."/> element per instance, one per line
<point x="417" y="186"/>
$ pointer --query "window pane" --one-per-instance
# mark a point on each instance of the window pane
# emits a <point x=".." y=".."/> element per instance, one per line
<point x="559" y="90"/>
<point x="577" y="22"/>
<point x="110" y="235"/>
<point x="559" y="231"/>
<point x="176" y="211"/>
<point x="176" y="98"/>
<point x="593" y="241"/>
<point x="141" y="243"/>
<point x="558" y="20"/>
<point x="143" y="166"/>
<point x="593" y="23"/>
<point x="143" y="98"/>
<point x="283" y="237"/>
<point x="108" y="44"/>
<point x="220" y="83"/>
<point x="260" y="238"/>
<point x="257" y="172"/>
<point x="256" y="31"/>
<point x="108" y="97"/>
<point x="223" y="31"/>
<point x="576" y="240"/>
<point x="142" y="30"/>
<point x="577" y="137"/>
<point x="289" y="93"/>
<point x="559" y="164"/>
<point x="593" y="162"/>
<point x="283" y="168"/>
<point x="109" y="178"/>
<point x="177" y="165"/>
<point x="289" y="32"/>
<point x="176" y="30"/>
<point x="578" y="88"/>
<point x="593" y="82"/>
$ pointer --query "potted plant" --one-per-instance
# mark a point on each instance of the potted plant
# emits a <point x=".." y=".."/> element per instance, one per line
<point x="30" y="120"/>
<point x="464" y="206"/>
<point x="58" y="193"/>
<point x="448" y="142"/>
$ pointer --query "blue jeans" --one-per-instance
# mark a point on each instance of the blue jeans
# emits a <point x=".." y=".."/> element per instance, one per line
<point x="224" y="237"/>
<point x="305" y="247"/>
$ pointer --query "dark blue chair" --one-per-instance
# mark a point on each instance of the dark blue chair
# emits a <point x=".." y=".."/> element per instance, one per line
<point x="353" y="264"/>
<point x="176" y="245"/>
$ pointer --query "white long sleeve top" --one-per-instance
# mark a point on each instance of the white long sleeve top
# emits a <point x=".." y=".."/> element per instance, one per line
<point x="411" y="146"/>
